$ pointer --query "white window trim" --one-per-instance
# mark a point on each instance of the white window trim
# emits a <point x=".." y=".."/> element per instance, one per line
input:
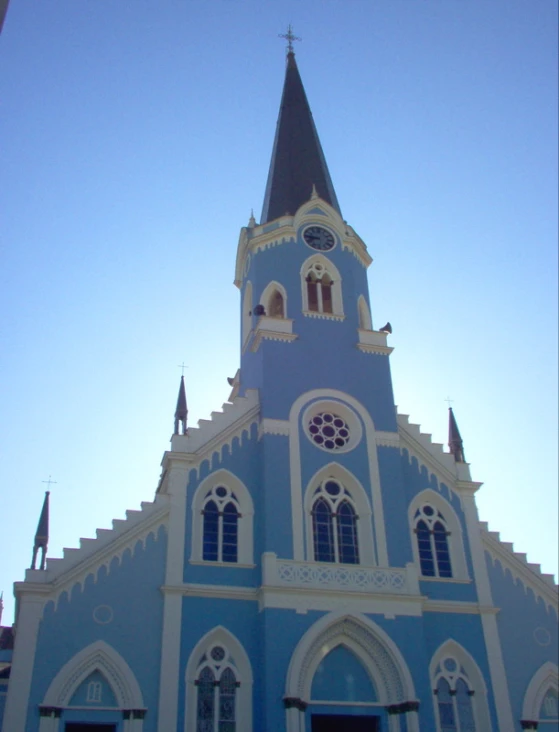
<point x="246" y="318"/>
<point x="245" y="521"/>
<point x="360" y="503"/>
<point x="331" y="270"/>
<point x="364" y="314"/>
<point x="475" y="682"/>
<point x="545" y="679"/>
<point x="455" y="538"/>
<point x="243" y="672"/>
<point x="268" y="291"/>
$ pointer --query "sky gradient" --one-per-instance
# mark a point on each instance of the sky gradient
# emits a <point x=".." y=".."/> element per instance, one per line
<point x="136" y="140"/>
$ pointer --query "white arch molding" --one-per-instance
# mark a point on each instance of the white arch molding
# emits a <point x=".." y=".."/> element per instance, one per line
<point x="373" y="477"/>
<point x="102" y="657"/>
<point x="246" y="315"/>
<point x="365" y="322"/>
<point x="475" y="678"/>
<point x="267" y="293"/>
<point x="221" y="636"/>
<point x="455" y="539"/>
<point x="377" y="652"/>
<point x="545" y="679"/>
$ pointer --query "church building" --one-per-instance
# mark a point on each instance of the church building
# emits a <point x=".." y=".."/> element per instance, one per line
<point x="311" y="561"/>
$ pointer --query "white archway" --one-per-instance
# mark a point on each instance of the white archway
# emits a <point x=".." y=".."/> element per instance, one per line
<point x="271" y="289"/>
<point x="545" y="679"/>
<point x="364" y="313"/>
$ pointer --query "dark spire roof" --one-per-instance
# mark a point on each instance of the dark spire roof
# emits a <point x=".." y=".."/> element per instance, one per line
<point x="42" y="534"/>
<point x="297" y="162"/>
<point x="181" y="412"/>
<point x="454" y="440"/>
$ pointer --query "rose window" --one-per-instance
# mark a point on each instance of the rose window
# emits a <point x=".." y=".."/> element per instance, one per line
<point x="329" y="431"/>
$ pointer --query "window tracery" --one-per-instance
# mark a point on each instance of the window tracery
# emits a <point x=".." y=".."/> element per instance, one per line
<point x="454" y="694"/>
<point x="216" y="698"/>
<point x="321" y="284"/>
<point x="220" y="525"/>
<point x="334" y="523"/>
<point x="432" y="542"/>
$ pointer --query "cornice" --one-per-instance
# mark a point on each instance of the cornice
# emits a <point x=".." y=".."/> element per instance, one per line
<point x="378" y="350"/>
<point x="323" y="316"/>
<point x="274" y="427"/>
<point x="463" y="608"/>
<point x="387" y="439"/>
<point x="271" y="335"/>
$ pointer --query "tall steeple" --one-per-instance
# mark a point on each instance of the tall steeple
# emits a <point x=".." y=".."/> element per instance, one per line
<point x="181" y="412"/>
<point x="42" y="535"/>
<point x="298" y="162"/>
<point x="454" y="440"/>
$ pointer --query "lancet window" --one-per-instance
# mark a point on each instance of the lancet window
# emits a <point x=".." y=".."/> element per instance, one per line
<point x="432" y="542"/>
<point x="454" y="694"/>
<point x="216" y="697"/>
<point x="334" y="524"/>
<point x="321" y="284"/>
<point x="220" y="525"/>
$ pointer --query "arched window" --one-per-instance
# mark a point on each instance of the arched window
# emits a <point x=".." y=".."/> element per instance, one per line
<point x="276" y="307"/>
<point x="222" y="520"/>
<point x="321" y="283"/>
<point x="217" y="684"/>
<point x="454" y="697"/>
<point x="221" y="531"/>
<point x="246" y="316"/>
<point x="334" y="523"/>
<point x="432" y="542"/>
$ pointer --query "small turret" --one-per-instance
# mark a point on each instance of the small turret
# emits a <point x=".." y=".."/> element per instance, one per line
<point x="42" y="535"/>
<point x="181" y="412"/>
<point x="454" y="440"/>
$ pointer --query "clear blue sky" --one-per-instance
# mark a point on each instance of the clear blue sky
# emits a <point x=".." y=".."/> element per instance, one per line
<point x="136" y="137"/>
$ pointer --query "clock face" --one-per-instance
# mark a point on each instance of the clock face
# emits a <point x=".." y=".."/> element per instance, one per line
<point x="319" y="238"/>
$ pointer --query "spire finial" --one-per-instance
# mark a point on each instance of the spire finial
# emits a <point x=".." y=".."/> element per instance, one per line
<point x="455" y="443"/>
<point x="252" y="220"/>
<point x="314" y="192"/>
<point x="181" y="412"/>
<point x="289" y="37"/>
<point x="42" y="533"/>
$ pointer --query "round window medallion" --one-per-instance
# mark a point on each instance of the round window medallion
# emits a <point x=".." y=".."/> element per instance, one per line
<point x="329" y="431"/>
<point x="542" y="636"/>
<point x="217" y="653"/>
<point x="332" y="426"/>
<point x="103" y="614"/>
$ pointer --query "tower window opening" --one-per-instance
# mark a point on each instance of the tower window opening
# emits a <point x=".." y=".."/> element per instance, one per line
<point x="432" y="542"/>
<point x="276" y="307"/>
<point x="334" y="522"/>
<point x="319" y="290"/>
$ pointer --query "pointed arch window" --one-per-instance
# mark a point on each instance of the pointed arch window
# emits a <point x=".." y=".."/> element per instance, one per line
<point x="276" y="305"/>
<point x="454" y="694"/>
<point x="217" y="685"/>
<point x="432" y="542"/>
<point x="321" y="284"/>
<point x="220" y="525"/>
<point x="334" y="524"/>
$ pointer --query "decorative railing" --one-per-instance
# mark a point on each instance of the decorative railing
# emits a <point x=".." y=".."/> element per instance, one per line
<point x="351" y="578"/>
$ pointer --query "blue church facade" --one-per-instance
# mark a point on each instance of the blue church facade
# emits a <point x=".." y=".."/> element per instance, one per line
<point x="311" y="561"/>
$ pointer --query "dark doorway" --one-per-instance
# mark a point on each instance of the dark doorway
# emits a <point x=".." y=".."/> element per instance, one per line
<point x="84" y="727"/>
<point x="343" y="723"/>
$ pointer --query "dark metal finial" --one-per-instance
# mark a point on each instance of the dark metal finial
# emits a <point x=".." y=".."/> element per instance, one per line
<point x="181" y="412"/>
<point x="289" y="37"/>
<point x="455" y="443"/>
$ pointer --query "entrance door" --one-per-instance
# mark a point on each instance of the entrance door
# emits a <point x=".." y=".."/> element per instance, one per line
<point x="343" y="723"/>
<point x="84" y="727"/>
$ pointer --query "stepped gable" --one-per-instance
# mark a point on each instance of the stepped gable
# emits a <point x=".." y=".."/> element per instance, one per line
<point x="431" y="454"/>
<point x="76" y="563"/>
<point x="214" y="433"/>
<point x="530" y="574"/>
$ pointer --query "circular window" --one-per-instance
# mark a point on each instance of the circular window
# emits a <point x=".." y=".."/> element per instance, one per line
<point x="329" y="431"/>
<point x="332" y="426"/>
<point x="217" y="653"/>
<point x="103" y="614"/>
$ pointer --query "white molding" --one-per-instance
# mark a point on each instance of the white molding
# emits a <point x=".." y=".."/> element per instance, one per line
<point x="245" y="521"/>
<point x="295" y="471"/>
<point x="458" y="606"/>
<point x="221" y="592"/>
<point x="29" y="614"/>
<point x="224" y="637"/>
<point x="377" y="650"/>
<point x="364" y="314"/>
<point x="265" y="298"/>
<point x="455" y="540"/>
<point x="545" y="678"/>
<point x="488" y="622"/>
<point x="387" y="439"/>
<point x="274" y="427"/>
<point x="530" y="575"/>
<point x="479" y="700"/>
<point x="270" y="334"/>
<point x="375" y="350"/>
<point x="77" y="564"/>
<point x="323" y="316"/>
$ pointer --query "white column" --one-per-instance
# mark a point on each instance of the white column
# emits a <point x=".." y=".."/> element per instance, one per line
<point x="172" y="605"/>
<point x="29" y="616"/>
<point x="412" y="721"/>
<point x="488" y="620"/>
<point x="394" y="722"/>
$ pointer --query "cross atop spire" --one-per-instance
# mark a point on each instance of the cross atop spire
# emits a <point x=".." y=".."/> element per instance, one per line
<point x="181" y="412"/>
<point x="289" y="37"/>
